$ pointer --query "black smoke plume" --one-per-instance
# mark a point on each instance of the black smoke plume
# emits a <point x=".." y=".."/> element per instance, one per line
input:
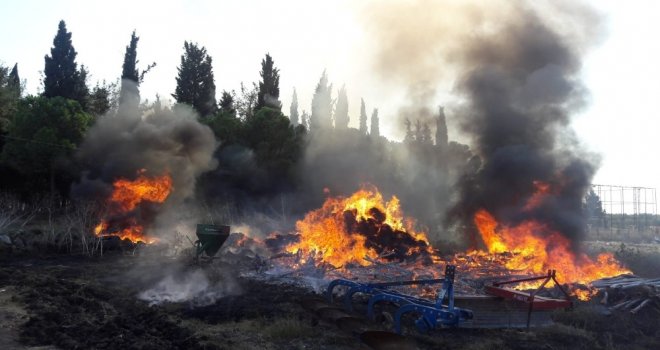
<point x="130" y="142"/>
<point x="522" y="85"/>
<point x="515" y="69"/>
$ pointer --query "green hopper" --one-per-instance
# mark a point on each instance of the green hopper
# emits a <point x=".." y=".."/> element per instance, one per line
<point x="209" y="240"/>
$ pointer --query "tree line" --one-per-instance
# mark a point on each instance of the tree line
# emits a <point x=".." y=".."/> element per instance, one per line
<point x="39" y="134"/>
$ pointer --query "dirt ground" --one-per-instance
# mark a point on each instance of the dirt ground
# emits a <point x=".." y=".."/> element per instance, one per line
<point x="80" y="303"/>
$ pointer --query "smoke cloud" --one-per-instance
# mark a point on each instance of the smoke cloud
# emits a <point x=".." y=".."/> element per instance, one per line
<point x="193" y="287"/>
<point x="160" y="141"/>
<point x="515" y="68"/>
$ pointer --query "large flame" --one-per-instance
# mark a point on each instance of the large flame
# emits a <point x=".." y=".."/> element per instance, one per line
<point x="331" y="235"/>
<point x="331" y="232"/>
<point x="127" y="195"/>
<point x="534" y="248"/>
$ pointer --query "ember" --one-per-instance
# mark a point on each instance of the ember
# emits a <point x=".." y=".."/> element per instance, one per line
<point x="129" y="197"/>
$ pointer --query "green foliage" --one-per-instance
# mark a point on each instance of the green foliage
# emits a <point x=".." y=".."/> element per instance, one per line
<point x="276" y="143"/>
<point x="341" y="111"/>
<point x="14" y="82"/>
<point x="10" y="92"/>
<point x="61" y="74"/>
<point x="129" y="92"/>
<point x="195" y="84"/>
<point x="129" y="69"/>
<point x="227" y="104"/>
<point x="44" y="130"/>
<point x="269" y="86"/>
<point x="101" y="99"/>
<point x="226" y="126"/>
<point x="247" y="101"/>
<point x="593" y="205"/>
<point x="131" y="77"/>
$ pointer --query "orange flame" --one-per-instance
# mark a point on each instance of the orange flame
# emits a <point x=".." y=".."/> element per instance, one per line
<point x="127" y="195"/>
<point x="529" y="248"/>
<point x="323" y="231"/>
<point x="535" y="248"/>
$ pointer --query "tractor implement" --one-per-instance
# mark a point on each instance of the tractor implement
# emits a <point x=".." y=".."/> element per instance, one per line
<point x="209" y="240"/>
<point x="534" y="301"/>
<point x="432" y="313"/>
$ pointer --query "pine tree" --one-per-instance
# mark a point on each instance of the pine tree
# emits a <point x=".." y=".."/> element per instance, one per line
<point x="322" y="105"/>
<point x="227" y="103"/>
<point x="61" y="74"/>
<point x="195" y="85"/>
<point x="269" y="86"/>
<point x="441" y="138"/>
<point x="375" y="128"/>
<point x="363" y="118"/>
<point x="293" y="111"/>
<point x="341" y="110"/>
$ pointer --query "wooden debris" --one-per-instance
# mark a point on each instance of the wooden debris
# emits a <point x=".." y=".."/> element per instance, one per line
<point x="630" y="293"/>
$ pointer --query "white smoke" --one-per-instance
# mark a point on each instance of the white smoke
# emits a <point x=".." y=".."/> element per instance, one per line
<point x="193" y="287"/>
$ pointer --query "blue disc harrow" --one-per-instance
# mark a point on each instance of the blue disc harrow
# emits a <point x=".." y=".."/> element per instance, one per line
<point x="431" y="314"/>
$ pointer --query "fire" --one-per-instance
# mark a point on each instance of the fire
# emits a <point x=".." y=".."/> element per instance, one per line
<point x="534" y="248"/>
<point x="364" y="225"/>
<point x="126" y="197"/>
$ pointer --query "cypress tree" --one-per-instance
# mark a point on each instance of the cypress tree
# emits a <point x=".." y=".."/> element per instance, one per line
<point x="194" y="84"/>
<point x="363" y="117"/>
<point x="293" y="111"/>
<point x="418" y="131"/>
<point x="304" y="120"/>
<point x="14" y="83"/>
<point x="341" y="110"/>
<point x="269" y="86"/>
<point x="410" y="137"/>
<point x="375" y="128"/>
<point x="441" y="137"/>
<point x="321" y="105"/>
<point x="61" y="74"/>
<point x="129" y="93"/>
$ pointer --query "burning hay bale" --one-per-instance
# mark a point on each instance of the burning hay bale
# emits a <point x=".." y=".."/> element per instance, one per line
<point x="630" y="293"/>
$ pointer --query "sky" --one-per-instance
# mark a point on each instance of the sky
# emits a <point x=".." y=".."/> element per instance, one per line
<point x="621" y="122"/>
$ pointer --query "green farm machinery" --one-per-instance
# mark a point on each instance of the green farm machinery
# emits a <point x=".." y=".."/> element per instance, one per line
<point x="210" y="239"/>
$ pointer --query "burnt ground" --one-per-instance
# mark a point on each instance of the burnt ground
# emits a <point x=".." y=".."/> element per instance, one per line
<point x="78" y="303"/>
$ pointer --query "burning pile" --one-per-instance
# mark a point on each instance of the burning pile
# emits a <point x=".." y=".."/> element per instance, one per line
<point x="363" y="226"/>
<point x="132" y="203"/>
<point x="534" y="248"/>
<point x="363" y="229"/>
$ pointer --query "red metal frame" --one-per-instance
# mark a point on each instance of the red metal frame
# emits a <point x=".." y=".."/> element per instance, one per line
<point x="535" y="302"/>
